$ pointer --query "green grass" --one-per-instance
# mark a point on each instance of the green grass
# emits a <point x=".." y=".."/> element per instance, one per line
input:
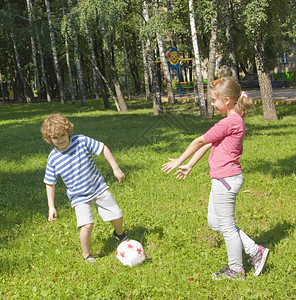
<point x="42" y="260"/>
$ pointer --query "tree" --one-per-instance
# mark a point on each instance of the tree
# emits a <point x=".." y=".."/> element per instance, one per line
<point x="256" y="18"/>
<point x="77" y="59"/>
<point x="155" y="89"/>
<point x="229" y="37"/>
<point x="55" y="54"/>
<point x="34" y="56"/>
<point x="212" y="54"/>
<point x="200" y="90"/>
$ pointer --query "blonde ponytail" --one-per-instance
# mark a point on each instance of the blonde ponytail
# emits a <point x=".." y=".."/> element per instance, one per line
<point x="242" y="103"/>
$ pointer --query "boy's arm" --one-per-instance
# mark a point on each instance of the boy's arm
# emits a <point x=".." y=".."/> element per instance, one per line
<point x="184" y="170"/>
<point x="110" y="158"/>
<point x="52" y="213"/>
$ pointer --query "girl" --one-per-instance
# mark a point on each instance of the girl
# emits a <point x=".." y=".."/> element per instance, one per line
<point x="226" y="142"/>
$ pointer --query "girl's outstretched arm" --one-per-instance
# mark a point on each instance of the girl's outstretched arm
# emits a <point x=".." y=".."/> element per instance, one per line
<point x="191" y="149"/>
<point x="184" y="170"/>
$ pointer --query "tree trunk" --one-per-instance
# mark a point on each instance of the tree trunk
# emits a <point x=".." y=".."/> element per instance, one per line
<point x="126" y="77"/>
<point x="118" y="91"/>
<point x="212" y="56"/>
<point x="165" y="68"/>
<point x="146" y="74"/>
<point x="36" y="73"/>
<point x="70" y="79"/>
<point x="44" y="78"/>
<point x="55" y="55"/>
<point x="78" y="64"/>
<point x="155" y="88"/>
<point x="229" y="37"/>
<point x="269" y="110"/>
<point x="19" y="68"/>
<point x="200" y="91"/>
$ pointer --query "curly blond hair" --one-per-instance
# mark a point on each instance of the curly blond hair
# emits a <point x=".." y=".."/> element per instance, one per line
<point x="54" y="125"/>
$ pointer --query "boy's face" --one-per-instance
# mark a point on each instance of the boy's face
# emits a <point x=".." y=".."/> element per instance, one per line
<point x="61" y="141"/>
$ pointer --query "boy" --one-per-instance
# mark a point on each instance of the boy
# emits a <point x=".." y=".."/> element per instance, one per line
<point x="71" y="158"/>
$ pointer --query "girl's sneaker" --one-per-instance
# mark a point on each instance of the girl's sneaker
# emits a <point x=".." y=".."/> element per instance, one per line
<point x="258" y="261"/>
<point x="227" y="273"/>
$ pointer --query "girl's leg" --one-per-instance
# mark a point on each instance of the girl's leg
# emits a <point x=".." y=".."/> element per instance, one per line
<point x="249" y="246"/>
<point x="85" y="239"/>
<point x="221" y="218"/>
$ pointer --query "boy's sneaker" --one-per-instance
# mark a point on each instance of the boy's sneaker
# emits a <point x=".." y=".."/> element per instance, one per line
<point x="258" y="261"/>
<point x="89" y="259"/>
<point x="227" y="273"/>
<point x="120" y="238"/>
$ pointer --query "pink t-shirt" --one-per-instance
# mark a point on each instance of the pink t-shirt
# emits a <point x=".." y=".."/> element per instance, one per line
<point x="227" y="138"/>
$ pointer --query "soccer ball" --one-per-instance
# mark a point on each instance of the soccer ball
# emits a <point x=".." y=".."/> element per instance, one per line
<point x="130" y="253"/>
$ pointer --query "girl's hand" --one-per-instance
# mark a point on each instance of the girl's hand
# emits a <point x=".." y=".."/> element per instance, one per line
<point x="171" y="165"/>
<point x="119" y="175"/>
<point x="52" y="214"/>
<point x="183" y="172"/>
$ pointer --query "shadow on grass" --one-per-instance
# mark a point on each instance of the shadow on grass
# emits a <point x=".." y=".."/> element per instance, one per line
<point x="282" y="167"/>
<point x="270" y="238"/>
<point x="139" y="233"/>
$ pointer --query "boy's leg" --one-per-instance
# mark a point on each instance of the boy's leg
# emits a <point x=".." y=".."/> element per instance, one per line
<point x="85" y="239"/>
<point x="118" y="225"/>
<point x="85" y="223"/>
<point x="108" y="210"/>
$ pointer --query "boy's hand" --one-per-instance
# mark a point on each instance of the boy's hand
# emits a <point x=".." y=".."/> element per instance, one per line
<point x="183" y="172"/>
<point x="52" y="214"/>
<point x="119" y="175"/>
<point x="171" y="165"/>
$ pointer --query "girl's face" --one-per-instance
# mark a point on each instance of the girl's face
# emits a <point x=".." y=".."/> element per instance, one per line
<point x="61" y="141"/>
<point x="219" y="105"/>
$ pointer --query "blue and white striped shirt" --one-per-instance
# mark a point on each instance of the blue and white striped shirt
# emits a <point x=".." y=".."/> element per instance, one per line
<point x="77" y="169"/>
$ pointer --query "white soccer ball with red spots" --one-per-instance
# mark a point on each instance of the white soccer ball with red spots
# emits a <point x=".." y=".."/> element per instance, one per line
<point x="130" y="253"/>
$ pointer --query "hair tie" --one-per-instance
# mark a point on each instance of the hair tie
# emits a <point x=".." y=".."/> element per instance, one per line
<point x="243" y="93"/>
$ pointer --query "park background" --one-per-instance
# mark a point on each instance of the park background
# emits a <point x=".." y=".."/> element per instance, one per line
<point x="105" y="65"/>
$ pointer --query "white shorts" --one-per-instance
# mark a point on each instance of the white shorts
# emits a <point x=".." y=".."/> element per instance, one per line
<point x="106" y="207"/>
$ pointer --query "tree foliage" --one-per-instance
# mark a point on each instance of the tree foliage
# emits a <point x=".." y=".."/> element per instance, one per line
<point x="112" y="25"/>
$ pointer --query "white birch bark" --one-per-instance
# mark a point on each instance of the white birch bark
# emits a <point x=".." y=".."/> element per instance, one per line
<point x="34" y="56"/>
<point x="200" y="92"/>
<point x="155" y="89"/>
<point x="55" y="55"/>
<point x="78" y="64"/>
<point x="146" y="74"/>
<point x="229" y="37"/>
<point x="212" y="56"/>
<point x="19" y="67"/>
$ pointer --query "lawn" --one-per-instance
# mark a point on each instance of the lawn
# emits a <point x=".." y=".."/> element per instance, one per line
<point x="42" y="260"/>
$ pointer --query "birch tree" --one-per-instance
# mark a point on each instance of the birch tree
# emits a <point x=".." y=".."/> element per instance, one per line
<point x="77" y="60"/>
<point x="55" y="54"/>
<point x="212" y="55"/>
<point x="155" y="89"/>
<point x="163" y="57"/>
<point x="200" y="98"/>
<point x="19" y="67"/>
<point x="34" y="56"/>
<point x="229" y="38"/>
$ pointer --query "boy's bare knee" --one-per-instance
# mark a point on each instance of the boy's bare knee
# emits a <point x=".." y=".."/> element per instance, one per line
<point x="87" y="226"/>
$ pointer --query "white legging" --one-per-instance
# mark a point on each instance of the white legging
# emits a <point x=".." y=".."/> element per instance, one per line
<point x="221" y="218"/>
